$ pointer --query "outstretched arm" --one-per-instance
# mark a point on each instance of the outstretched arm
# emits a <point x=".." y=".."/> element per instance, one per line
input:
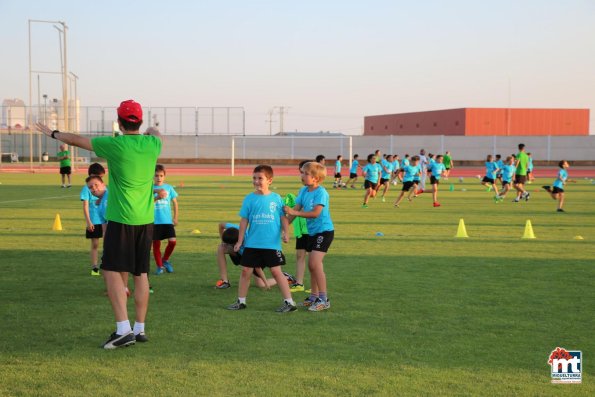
<point x="66" y="137"/>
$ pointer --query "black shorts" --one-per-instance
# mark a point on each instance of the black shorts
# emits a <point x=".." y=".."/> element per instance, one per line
<point x="352" y="176"/>
<point x="65" y="170"/>
<point x="407" y="186"/>
<point x="504" y="183"/>
<point x="370" y="185"/>
<point x="163" y="231"/>
<point x="96" y="233"/>
<point x="127" y="248"/>
<point x="338" y="175"/>
<point x="557" y="190"/>
<point x="488" y="180"/>
<point x="320" y="242"/>
<point x="300" y="243"/>
<point x="447" y="168"/>
<point x="416" y="181"/>
<point x="236" y="258"/>
<point x="384" y="180"/>
<point x="262" y="257"/>
<point x="520" y="179"/>
<point x="434" y="181"/>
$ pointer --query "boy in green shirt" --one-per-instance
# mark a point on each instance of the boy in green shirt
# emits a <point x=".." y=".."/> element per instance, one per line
<point x="65" y="170"/>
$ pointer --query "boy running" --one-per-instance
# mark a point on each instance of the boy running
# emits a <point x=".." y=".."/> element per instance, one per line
<point x="507" y="177"/>
<point x="371" y="174"/>
<point x="557" y="192"/>
<point x="408" y="172"/>
<point x="353" y="171"/>
<point x="436" y="171"/>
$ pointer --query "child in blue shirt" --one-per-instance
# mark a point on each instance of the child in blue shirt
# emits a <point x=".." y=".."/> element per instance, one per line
<point x="530" y="177"/>
<point x="262" y="214"/>
<point x="165" y="196"/>
<point x="437" y="170"/>
<point x="353" y="171"/>
<point x="338" y="183"/>
<point x="94" y="211"/>
<point x="396" y="166"/>
<point x="312" y="203"/>
<point x="500" y="165"/>
<point x="557" y="191"/>
<point x="507" y="175"/>
<point x="489" y="179"/>
<point x="372" y="175"/>
<point x="408" y="173"/>
<point x="386" y="172"/>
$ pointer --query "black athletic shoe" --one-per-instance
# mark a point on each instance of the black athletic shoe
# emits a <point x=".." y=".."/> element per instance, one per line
<point x="115" y="341"/>
<point x="560" y="210"/>
<point x="237" y="306"/>
<point x="547" y="188"/>
<point x="141" y="337"/>
<point x="287" y="307"/>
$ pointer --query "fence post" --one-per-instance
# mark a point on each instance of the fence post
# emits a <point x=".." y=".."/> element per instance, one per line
<point x="233" y="155"/>
<point x="350" y="151"/>
<point x="549" y="148"/>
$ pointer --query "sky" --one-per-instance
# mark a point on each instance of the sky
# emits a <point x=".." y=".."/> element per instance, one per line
<point x="329" y="62"/>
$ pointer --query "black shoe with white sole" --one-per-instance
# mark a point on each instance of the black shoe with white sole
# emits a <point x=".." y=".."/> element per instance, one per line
<point x="115" y="341"/>
<point x="141" y="337"/>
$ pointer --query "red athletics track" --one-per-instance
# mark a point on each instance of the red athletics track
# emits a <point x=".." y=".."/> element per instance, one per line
<point x="284" y="170"/>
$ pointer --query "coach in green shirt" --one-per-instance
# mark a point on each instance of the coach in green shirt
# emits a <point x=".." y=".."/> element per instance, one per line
<point x="522" y="161"/>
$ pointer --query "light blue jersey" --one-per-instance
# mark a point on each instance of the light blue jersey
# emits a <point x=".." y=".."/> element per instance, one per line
<point x="372" y="172"/>
<point x="561" y="179"/>
<point x="338" y="167"/>
<point x="354" y="165"/>
<point x="500" y="165"/>
<point x="491" y="169"/>
<point x="386" y="169"/>
<point x="396" y="165"/>
<point x="234" y="226"/>
<point x="508" y="172"/>
<point x="405" y="162"/>
<point x="309" y="200"/>
<point x="96" y="212"/>
<point x="264" y="213"/>
<point x="162" y="206"/>
<point x="530" y="164"/>
<point x="411" y="172"/>
<point x="437" y="170"/>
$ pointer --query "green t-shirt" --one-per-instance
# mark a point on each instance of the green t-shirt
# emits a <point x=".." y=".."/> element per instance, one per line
<point x="523" y="161"/>
<point x="446" y="160"/>
<point x="131" y="161"/>
<point x="64" y="162"/>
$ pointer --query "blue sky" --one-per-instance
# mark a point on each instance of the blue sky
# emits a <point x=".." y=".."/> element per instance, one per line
<point x="331" y="62"/>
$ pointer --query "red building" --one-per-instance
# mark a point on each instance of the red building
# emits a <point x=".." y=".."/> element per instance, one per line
<point x="481" y="121"/>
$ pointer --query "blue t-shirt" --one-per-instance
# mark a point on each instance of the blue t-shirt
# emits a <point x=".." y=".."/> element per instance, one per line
<point x="431" y="163"/>
<point x="386" y="169"/>
<point x="405" y="162"/>
<point x="491" y="168"/>
<point x="235" y="226"/>
<point x="395" y="165"/>
<point x="507" y="172"/>
<point x="411" y="173"/>
<point x="372" y="172"/>
<point x="162" y="206"/>
<point x="263" y="213"/>
<point x="338" y="167"/>
<point x="500" y="165"/>
<point x="96" y="212"/>
<point x="437" y="169"/>
<point x="562" y="176"/>
<point x="530" y="164"/>
<point x="308" y="200"/>
<point x="354" y="165"/>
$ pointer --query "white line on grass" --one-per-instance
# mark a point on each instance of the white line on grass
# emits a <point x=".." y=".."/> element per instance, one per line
<point x="34" y="199"/>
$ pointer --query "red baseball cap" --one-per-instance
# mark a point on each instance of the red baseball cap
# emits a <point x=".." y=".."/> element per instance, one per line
<point x="130" y="111"/>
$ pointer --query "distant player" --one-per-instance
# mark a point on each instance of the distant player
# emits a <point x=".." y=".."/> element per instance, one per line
<point x="507" y="174"/>
<point x="448" y="164"/>
<point x="557" y="191"/>
<point x="408" y="172"/>
<point x="386" y="172"/>
<point x="94" y="212"/>
<point x="437" y="170"/>
<point x="520" y="178"/>
<point x="372" y="176"/>
<point x="165" y="197"/>
<point x="353" y="171"/>
<point x="489" y="180"/>
<point x="338" y="184"/>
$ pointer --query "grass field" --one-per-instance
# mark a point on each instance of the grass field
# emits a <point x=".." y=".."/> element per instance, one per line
<point x="415" y="311"/>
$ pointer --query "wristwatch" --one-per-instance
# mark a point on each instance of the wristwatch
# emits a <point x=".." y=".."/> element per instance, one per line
<point x="53" y="134"/>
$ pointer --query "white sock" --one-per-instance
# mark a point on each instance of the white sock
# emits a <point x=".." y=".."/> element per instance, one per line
<point x="242" y="300"/>
<point x="138" y="328"/>
<point x="123" y="327"/>
<point x="290" y="301"/>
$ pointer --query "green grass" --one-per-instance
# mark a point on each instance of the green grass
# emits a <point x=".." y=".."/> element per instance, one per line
<point x="415" y="312"/>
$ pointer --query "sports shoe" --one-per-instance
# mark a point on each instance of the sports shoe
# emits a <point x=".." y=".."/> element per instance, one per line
<point x="287" y="307"/>
<point x="159" y="271"/>
<point x="295" y="287"/>
<point x="383" y="199"/>
<point x="222" y="284"/>
<point x="320" y="305"/>
<point x="527" y="196"/>
<point x="141" y="337"/>
<point x="436" y="204"/>
<point x="290" y="279"/>
<point x="115" y="341"/>
<point x="420" y="191"/>
<point x="547" y="188"/>
<point x="560" y="210"/>
<point x="364" y="205"/>
<point x="306" y="303"/>
<point x="168" y="267"/>
<point x="151" y="290"/>
<point x="516" y="200"/>
<point x="95" y="272"/>
<point x="236" y="306"/>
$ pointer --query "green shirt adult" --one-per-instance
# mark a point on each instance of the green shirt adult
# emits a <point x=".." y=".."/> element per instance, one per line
<point x="131" y="160"/>
<point x="446" y="159"/>
<point x="65" y="162"/>
<point x="522" y="162"/>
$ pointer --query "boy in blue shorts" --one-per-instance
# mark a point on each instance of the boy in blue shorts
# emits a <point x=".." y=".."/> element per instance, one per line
<point x="557" y="191"/>
<point x="165" y="195"/>
<point x="507" y="175"/>
<point x="407" y="174"/>
<point x="312" y="203"/>
<point x="371" y="174"/>
<point x="94" y="216"/>
<point x="262" y="212"/>
<point x="437" y="170"/>
<point x="353" y="171"/>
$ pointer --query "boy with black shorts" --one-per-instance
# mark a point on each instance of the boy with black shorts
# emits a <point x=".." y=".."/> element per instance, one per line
<point x="407" y="174"/>
<point x="262" y="212"/>
<point x="557" y="190"/>
<point x="436" y="170"/>
<point x="371" y="177"/>
<point x="65" y="164"/>
<point x="507" y="175"/>
<point x="312" y="203"/>
<point x="353" y="171"/>
<point x="165" y="196"/>
<point x="94" y="212"/>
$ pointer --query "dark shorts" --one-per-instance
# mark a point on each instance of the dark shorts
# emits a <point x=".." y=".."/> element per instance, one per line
<point x="300" y="243"/>
<point x="529" y="172"/>
<point x="164" y="231"/>
<point x="557" y="190"/>
<point x="520" y="178"/>
<point x="338" y="175"/>
<point x="320" y="242"/>
<point x="384" y="180"/>
<point x="504" y="183"/>
<point x="407" y="186"/>
<point x="261" y="257"/>
<point x="416" y="181"/>
<point x="370" y="185"/>
<point x="434" y="181"/>
<point x="65" y="170"/>
<point x="447" y="168"/>
<point x="96" y="233"/>
<point x="352" y="176"/>
<point x="127" y="248"/>
<point x="236" y="258"/>
<point x="488" y="180"/>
